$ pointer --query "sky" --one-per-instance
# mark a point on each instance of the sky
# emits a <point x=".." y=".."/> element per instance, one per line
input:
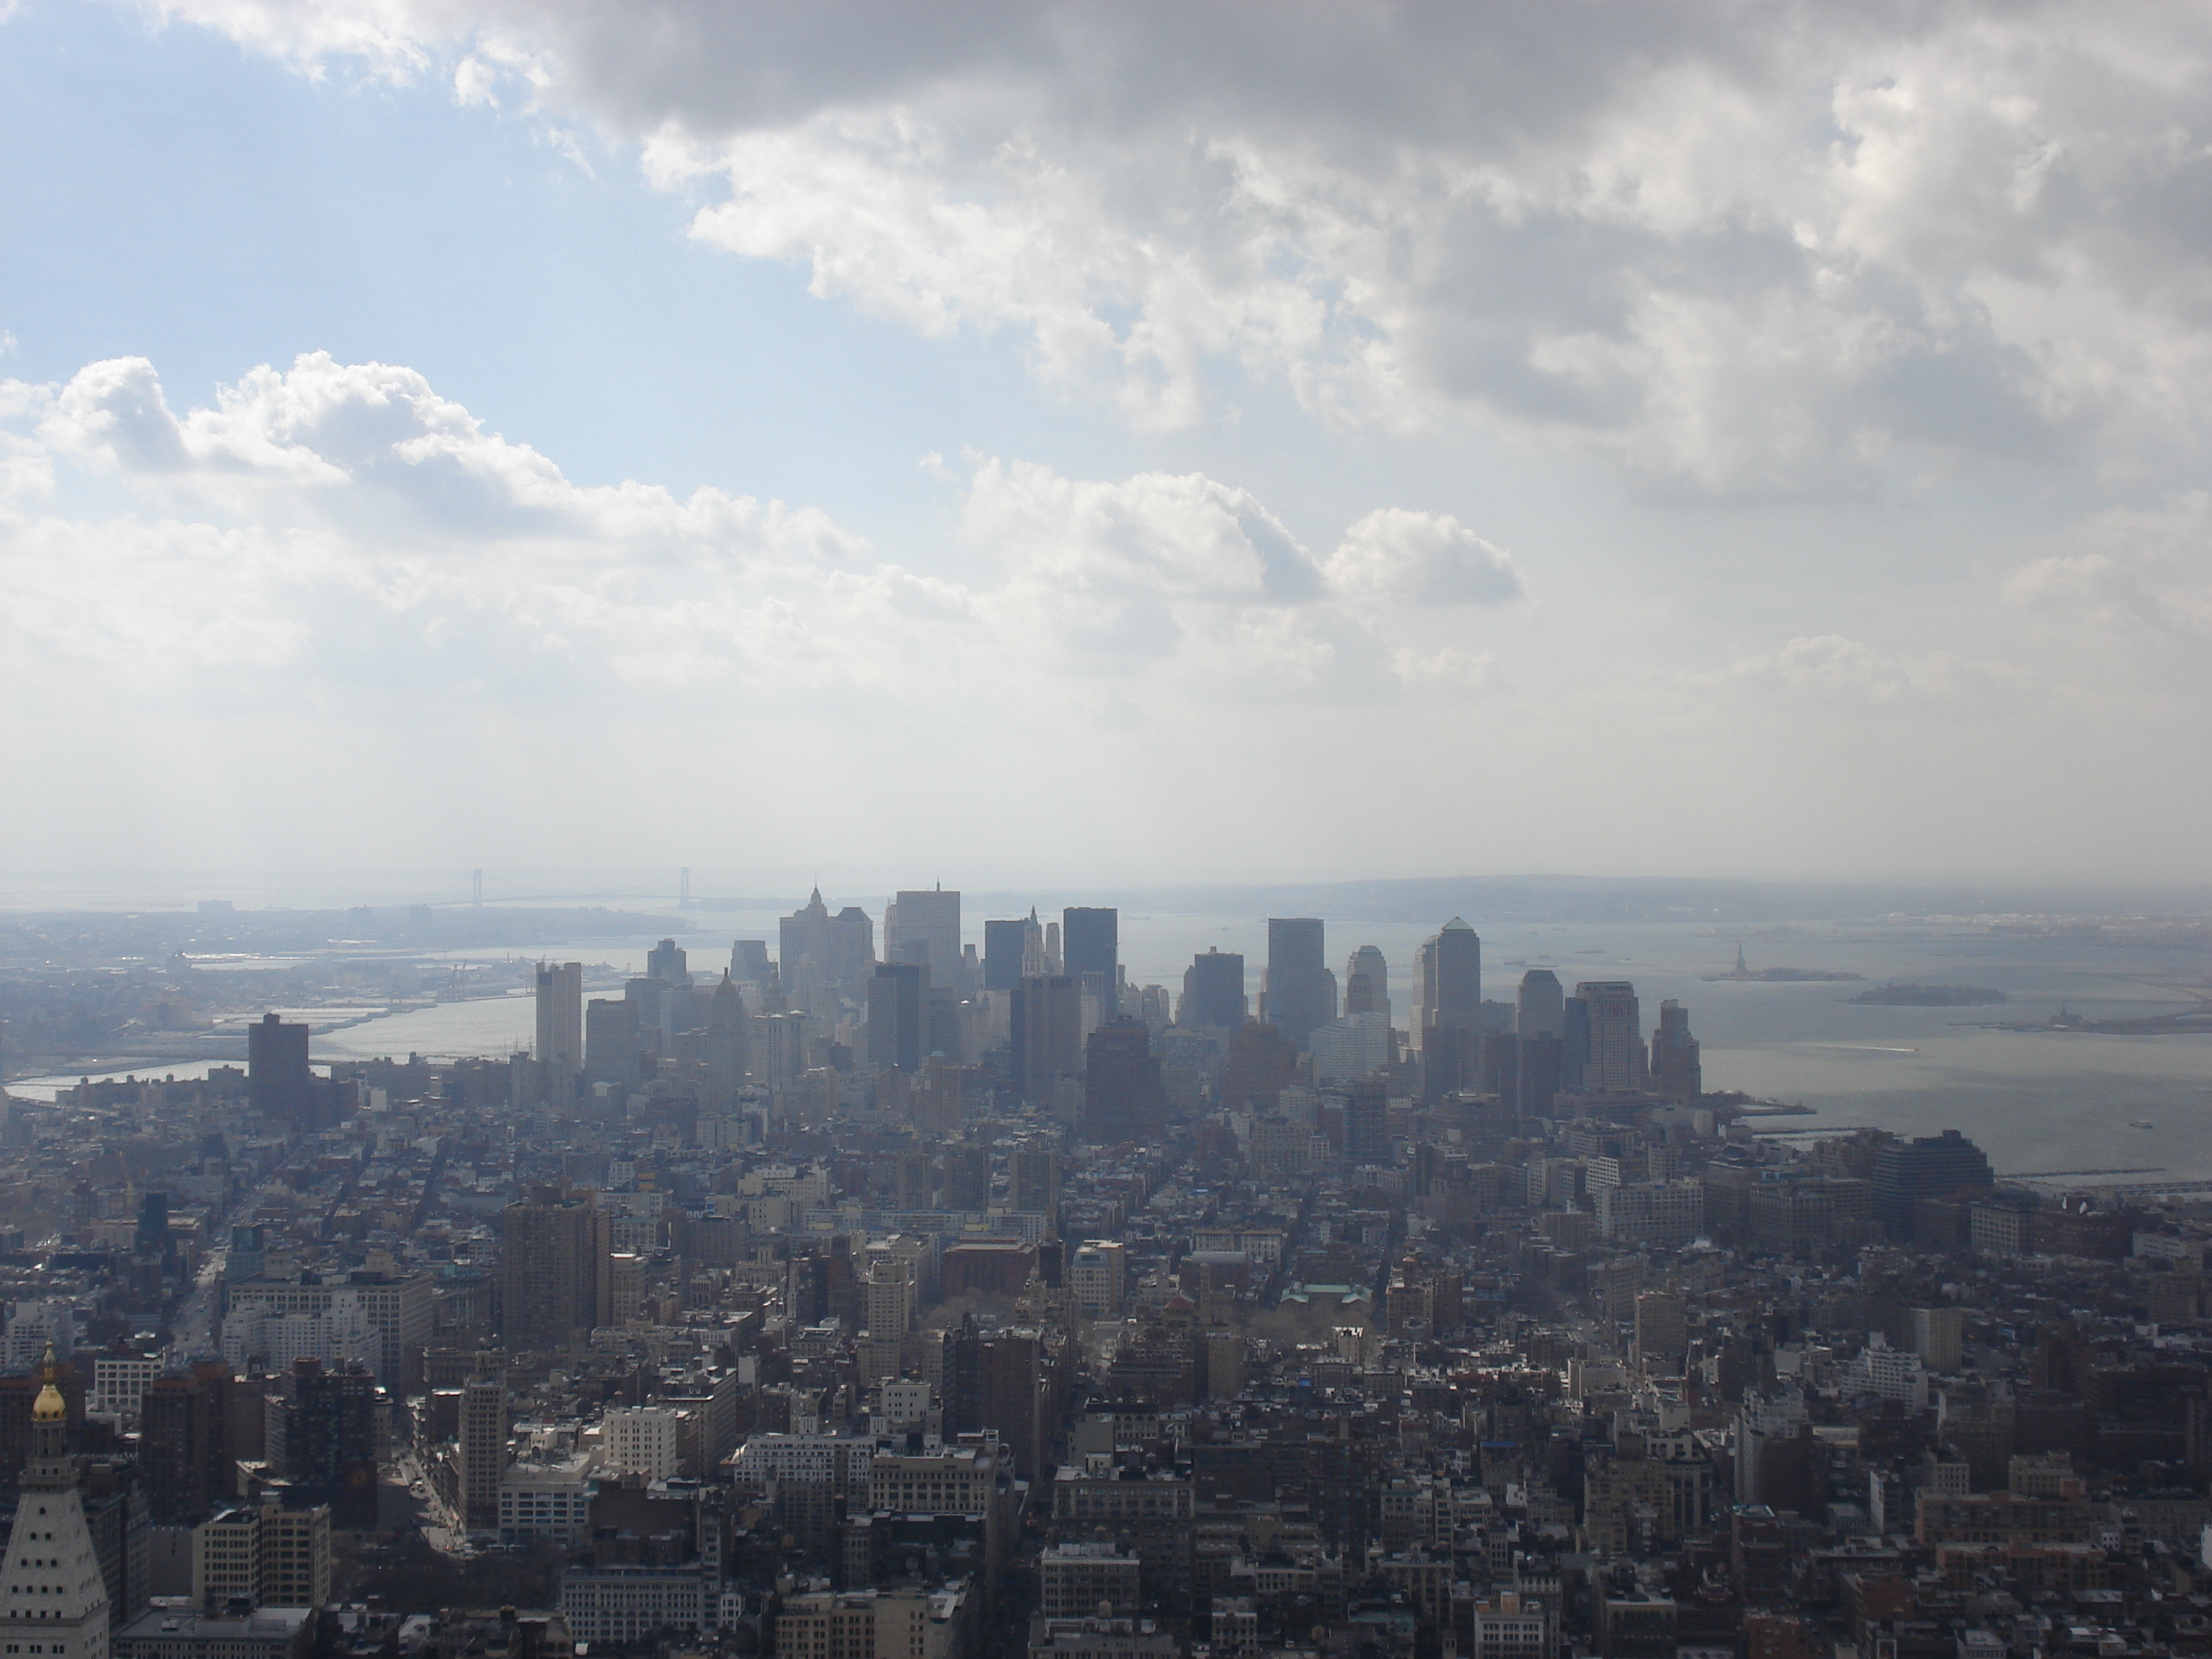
<point x="1005" y="443"/>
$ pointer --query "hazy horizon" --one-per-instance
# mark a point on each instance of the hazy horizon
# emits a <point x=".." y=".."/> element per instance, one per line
<point x="1518" y="896"/>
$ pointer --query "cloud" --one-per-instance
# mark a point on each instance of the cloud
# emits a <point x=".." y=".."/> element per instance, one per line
<point x="346" y="525"/>
<point x="2142" y="575"/>
<point x="1421" y="558"/>
<point x="1736" y="251"/>
<point x="1838" y="672"/>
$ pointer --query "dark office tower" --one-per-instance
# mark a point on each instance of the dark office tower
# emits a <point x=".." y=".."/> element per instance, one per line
<point x="1122" y="1096"/>
<point x="725" y="1051"/>
<point x="1542" y="1009"/>
<point x="1540" y="1059"/>
<point x="1451" y="979"/>
<point x="1498" y="1065"/>
<point x="669" y="962"/>
<point x="1926" y="1166"/>
<point x="1299" y="992"/>
<point x="1048" y="1033"/>
<point x="152" y="1236"/>
<point x="1033" y="1177"/>
<point x="1616" y="1057"/>
<point x="330" y="1439"/>
<point x="1261" y="1064"/>
<point x="1213" y="991"/>
<point x="1010" y="1395"/>
<point x="1675" y="1072"/>
<point x="1091" y="953"/>
<point x="1574" y="1043"/>
<point x="749" y="962"/>
<point x="966" y="1189"/>
<point x="648" y="997"/>
<point x="1367" y="983"/>
<point x="1451" y="1059"/>
<point x="553" y="1268"/>
<point x="614" y="1049"/>
<point x="1367" y="1125"/>
<point x="278" y="1081"/>
<point x="559" y="1050"/>
<point x="185" y="1448"/>
<point x="898" y="1016"/>
<point x="1003" y="945"/>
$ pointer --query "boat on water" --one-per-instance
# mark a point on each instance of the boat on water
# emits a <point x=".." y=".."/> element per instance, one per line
<point x="2141" y="1123"/>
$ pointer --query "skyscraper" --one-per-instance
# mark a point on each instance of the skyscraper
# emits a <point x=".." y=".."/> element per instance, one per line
<point x="1047" y="1028"/>
<point x="967" y="1184"/>
<point x="1676" y="1070"/>
<point x="1367" y="1125"/>
<point x="1367" y="983"/>
<point x="924" y="927"/>
<point x="184" y="1446"/>
<point x="1300" y="992"/>
<point x="1541" y="1008"/>
<point x="725" y="1052"/>
<point x="1090" y="951"/>
<point x="1122" y="1096"/>
<point x="614" y="1049"/>
<point x="483" y="1448"/>
<point x="1213" y="991"/>
<point x="1261" y="1064"/>
<point x="329" y="1439"/>
<point x="553" y="1268"/>
<point x="1926" y="1166"/>
<point x="1616" y="1057"/>
<point x="669" y="962"/>
<point x="559" y="1050"/>
<point x="278" y="1081"/>
<point x="1004" y="945"/>
<point x="840" y="947"/>
<point x="51" y="1587"/>
<point x="898" y="1015"/>
<point x="1451" y="979"/>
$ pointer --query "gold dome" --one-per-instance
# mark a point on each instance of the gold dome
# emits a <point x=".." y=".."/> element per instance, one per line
<point x="49" y="1407"/>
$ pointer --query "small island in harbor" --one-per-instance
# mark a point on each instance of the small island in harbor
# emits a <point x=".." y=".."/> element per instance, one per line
<point x="1774" y="975"/>
<point x="1929" y="996"/>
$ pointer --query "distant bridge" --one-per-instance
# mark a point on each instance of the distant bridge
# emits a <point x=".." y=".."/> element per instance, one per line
<point x="2056" y="1175"/>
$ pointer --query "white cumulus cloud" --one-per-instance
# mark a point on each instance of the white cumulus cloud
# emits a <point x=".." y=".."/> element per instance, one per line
<point x="1739" y="251"/>
<point x="1421" y="558"/>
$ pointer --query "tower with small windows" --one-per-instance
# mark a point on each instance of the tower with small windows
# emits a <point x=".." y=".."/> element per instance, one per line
<point x="53" y="1599"/>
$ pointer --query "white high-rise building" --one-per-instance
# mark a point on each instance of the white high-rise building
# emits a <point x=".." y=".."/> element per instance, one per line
<point x="1367" y="983"/>
<point x="924" y="926"/>
<point x="52" y="1592"/>
<point x="35" y="1326"/>
<point x="646" y="1440"/>
<point x="559" y="1050"/>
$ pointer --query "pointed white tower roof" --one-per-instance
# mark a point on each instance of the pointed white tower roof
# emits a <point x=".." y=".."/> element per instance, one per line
<point x="53" y="1598"/>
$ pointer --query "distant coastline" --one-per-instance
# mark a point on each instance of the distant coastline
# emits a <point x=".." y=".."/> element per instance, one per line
<point x="1779" y="976"/>
<point x="1894" y="995"/>
<point x="1744" y="973"/>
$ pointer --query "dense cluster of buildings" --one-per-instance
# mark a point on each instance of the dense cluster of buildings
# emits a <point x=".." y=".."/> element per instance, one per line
<point x="945" y="1296"/>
